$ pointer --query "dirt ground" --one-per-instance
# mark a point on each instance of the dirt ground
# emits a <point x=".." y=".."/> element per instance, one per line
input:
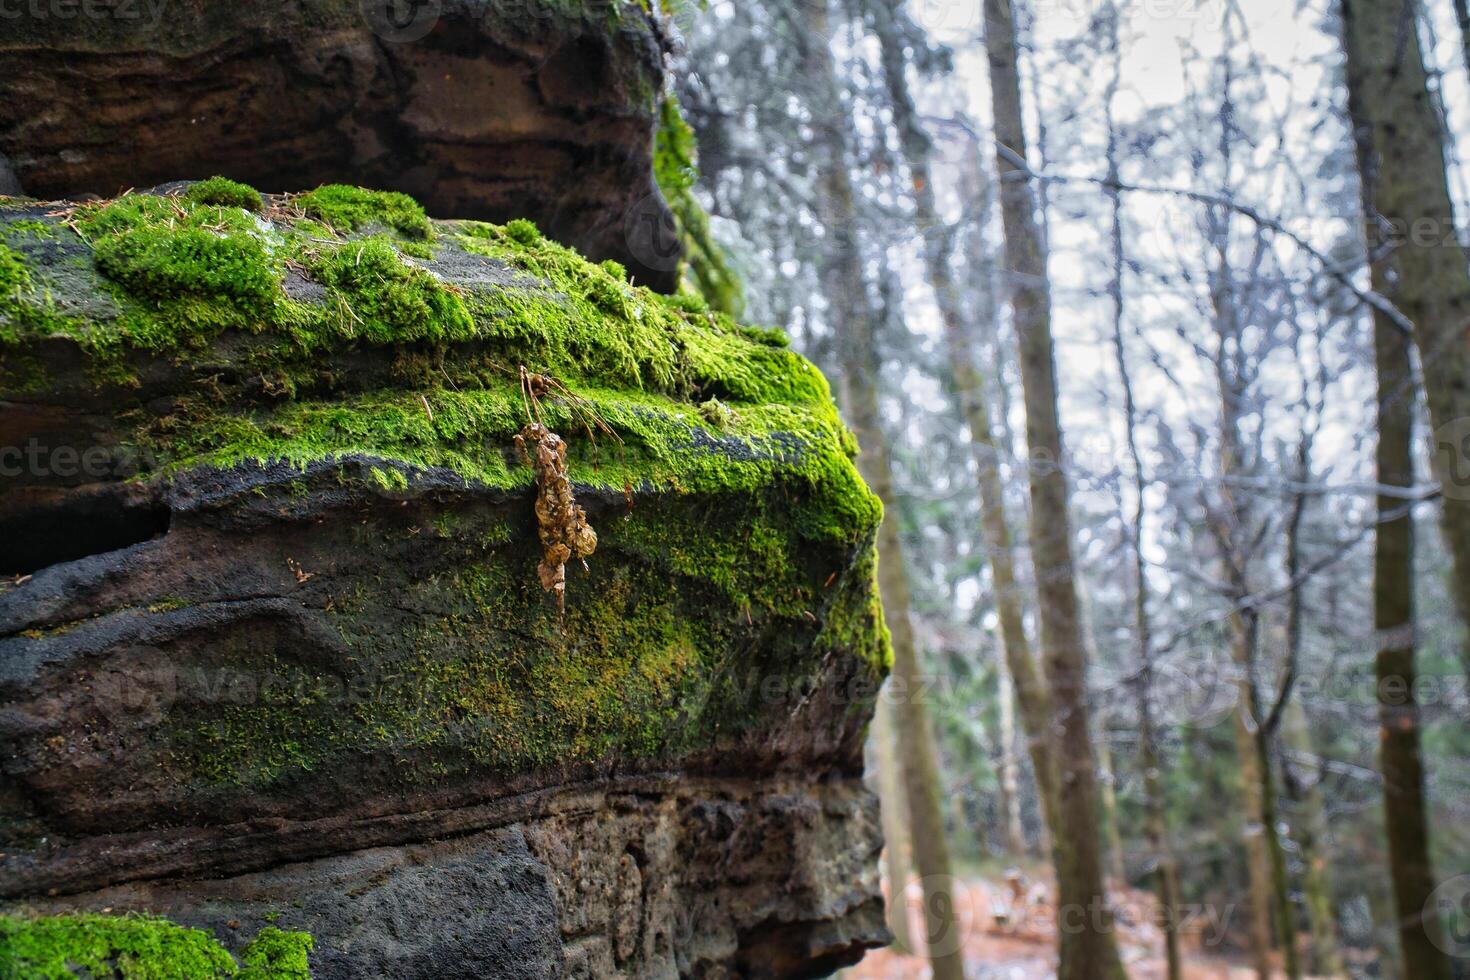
<point x="1008" y="932"/>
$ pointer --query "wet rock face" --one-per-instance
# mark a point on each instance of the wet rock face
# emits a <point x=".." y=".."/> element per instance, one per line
<point x="273" y="643"/>
<point x="486" y="110"/>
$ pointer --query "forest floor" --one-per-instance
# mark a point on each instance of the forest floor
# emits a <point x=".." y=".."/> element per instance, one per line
<point x="1008" y="930"/>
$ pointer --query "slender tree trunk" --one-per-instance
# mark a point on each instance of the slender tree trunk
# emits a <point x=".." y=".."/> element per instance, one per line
<point x="1114" y="859"/>
<point x="1088" y="948"/>
<point x="1401" y="165"/>
<point x="1233" y="531"/>
<point x="1010" y="775"/>
<point x="853" y="324"/>
<point x="1316" y="879"/>
<point x="970" y="388"/>
<point x="1276" y="851"/>
<point x="1407" y="197"/>
<point x="1405" y="806"/>
<point x="895" y="825"/>
<point x="1150" y="759"/>
<point x="921" y="766"/>
<point x="1258" y="862"/>
<point x="1312" y="836"/>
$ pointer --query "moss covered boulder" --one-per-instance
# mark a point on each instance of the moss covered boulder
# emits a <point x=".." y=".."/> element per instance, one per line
<point x="493" y="110"/>
<point x="358" y="565"/>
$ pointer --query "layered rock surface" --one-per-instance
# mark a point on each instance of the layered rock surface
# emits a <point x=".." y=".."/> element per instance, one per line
<point x="275" y="649"/>
<point x="489" y="109"/>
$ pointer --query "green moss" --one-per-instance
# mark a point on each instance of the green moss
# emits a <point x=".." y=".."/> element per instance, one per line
<point x="277" y="955"/>
<point x="193" y="271"/>
<point x="14" y="280"/>
<point x="13" y="273"/>
<point x="381" y="298"/>
<point x="522" y="232"/>
<point x="135" y="947"/>
<point x="225" y="193"/>
<point x="707" y="271"/>
<point x="743" y="557"/>
<point x="349" y="209"/>
<point x="32" y="228"/>
<point x="654" y="657"/>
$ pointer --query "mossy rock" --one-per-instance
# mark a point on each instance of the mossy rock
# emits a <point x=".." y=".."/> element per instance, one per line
<point x="544" y="108"/>
<point x="275" y="548"/>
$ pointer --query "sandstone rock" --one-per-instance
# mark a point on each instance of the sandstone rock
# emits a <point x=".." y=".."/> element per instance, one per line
<point x="273" y="647"/>
<point x="488" y="110"/>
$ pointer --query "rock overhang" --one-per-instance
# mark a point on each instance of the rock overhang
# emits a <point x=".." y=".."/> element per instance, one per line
<point x="333" y="618"/>
<point x="479" y="108"/>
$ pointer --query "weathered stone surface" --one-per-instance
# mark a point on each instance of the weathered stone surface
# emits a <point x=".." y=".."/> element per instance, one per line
<point x="274" y="639"/>
<point x="491" y="110"/>
<point x="662" y="878"/>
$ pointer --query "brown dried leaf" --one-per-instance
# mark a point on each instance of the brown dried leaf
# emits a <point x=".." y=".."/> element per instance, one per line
<point x="561" y="521"/>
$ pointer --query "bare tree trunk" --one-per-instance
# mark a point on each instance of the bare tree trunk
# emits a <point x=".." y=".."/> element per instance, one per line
<point x="1150" y="759"/>
<point x="1405" y="806"/>
<point x="853" y="324"/>
<point x="1088" y="949"/>
<point x="895" y="825"/>
<point x="1316" y="879"/>
<point x="1401" y="165"/>
<point x="1411" y="231"/>
<point x="970" y="388"/>
<point x="921" y="765"/>
<point x="1114" y="834"/>
<point x="1010" y="775"/>
<point x="1233" y="531"/>
<point x="1258" y="862"/>
<point x="1312" y="837"/>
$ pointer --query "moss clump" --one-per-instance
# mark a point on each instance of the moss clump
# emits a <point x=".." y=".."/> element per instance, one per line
<point x="522" y="231"/>
<point x="132" y="947"/>
<point x="596" y="327"/>
<point x="185" y="273"/>
<point x="277" y="955"/>
<point x="192" y="270"/>
<point x="226" y="193"/>
<point x="348" y="209"/>
<point x="381" y="298"/>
